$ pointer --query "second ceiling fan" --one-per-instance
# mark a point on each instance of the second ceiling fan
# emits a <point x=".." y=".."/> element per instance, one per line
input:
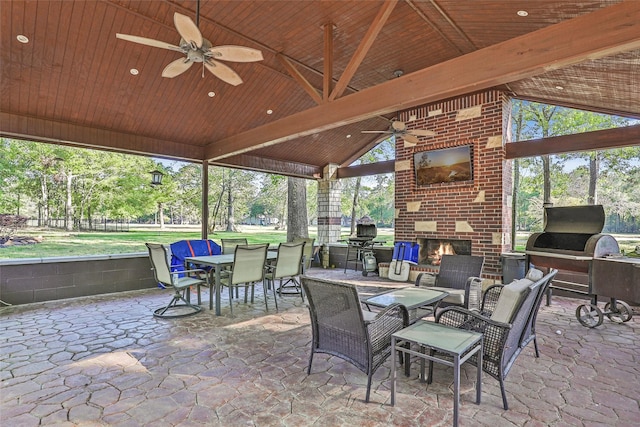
<point x="199" y="50"/>
<point x="398" y="128"/>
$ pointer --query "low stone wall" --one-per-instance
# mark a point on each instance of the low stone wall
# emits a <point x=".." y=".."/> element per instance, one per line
<point x="30" y="280"/>
<point x="338" y="253"/>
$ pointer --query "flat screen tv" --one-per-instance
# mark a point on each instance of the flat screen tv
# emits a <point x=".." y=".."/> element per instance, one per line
<point x="445" y="165"/>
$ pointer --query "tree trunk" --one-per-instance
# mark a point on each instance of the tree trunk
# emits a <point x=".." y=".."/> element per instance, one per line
<point x="231" y="223"/>
<point x="354" y="208"/>
<point x="297" y="223"/>
<point x="68" y="211"/>
<point x="161" y="215"/>
<point x="546" y="170"/>
<point x="44" y="194"/>
<point x="516" y="179"/>
<point x="594" y="166"/>
<point x="213" y="218"/>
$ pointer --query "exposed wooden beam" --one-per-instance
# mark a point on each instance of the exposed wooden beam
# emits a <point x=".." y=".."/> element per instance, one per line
<point x="453" y="25"/>
<point x="563" y="103"/>
<point x="375" y="140"/>
<point x="432" y="24"/>
<point x="298" y="77"/>
<point x="387" y="166"/>
<point x="588" y="141"/>
<point x="261" y="164"/>
<point x="363" y="48"/>
<point x="522" y="57"/>
<point x="30" y="129"/>
<point x="327" y="78"/>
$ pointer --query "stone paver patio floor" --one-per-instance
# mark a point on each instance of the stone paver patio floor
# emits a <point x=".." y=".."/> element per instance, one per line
<point x="105" y="360"/>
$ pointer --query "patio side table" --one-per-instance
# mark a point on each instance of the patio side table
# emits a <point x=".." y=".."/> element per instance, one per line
<point x="459" y="344"/>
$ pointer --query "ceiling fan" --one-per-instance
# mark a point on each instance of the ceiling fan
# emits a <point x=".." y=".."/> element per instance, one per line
<point x="398" y="128"/>
<point x="198" y="49"/>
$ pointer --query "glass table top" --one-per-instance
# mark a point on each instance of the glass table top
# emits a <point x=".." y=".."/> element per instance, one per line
<point x="441" y="337"/>
<point x="410" y="297"/>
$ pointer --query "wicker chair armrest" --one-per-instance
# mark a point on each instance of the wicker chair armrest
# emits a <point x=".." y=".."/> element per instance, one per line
<point x="490" y="299"/>
<point x="386" y="323"/>
<point x="424" y="276"/>
<point x="459" y="317"/>
<point x="473" y="293"/>
<point x="392" y="318"/>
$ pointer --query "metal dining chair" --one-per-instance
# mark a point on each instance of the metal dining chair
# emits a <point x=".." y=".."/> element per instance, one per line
<point x="180" y="282"/>
<point x="288" y="266"/>
<point x="247" y="270"/>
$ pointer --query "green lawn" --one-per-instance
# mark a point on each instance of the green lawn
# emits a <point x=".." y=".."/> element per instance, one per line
<point x="57" y="243"/>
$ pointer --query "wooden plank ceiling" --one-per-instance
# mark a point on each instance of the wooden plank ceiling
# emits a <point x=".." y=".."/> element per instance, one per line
<point x="328" y="71"/>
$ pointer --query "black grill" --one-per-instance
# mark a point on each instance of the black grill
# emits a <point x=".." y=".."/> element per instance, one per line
<point x="571" y="240"/>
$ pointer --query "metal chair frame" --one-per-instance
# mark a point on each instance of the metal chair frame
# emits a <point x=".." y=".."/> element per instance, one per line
<point x="159" y="256"/>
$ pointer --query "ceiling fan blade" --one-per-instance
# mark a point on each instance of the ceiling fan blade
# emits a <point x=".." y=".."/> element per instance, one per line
<point x="223" y="72"/>
<point x="176" y="68"/>
<point x="412" y="118"/>
<point x="187" y="29"/>
<point x="236" y="53"/>
<point x="397" y="125"/>
<point x="377" y="131"/>
<point x="421" y="132"/>
<point x="148" y="42"/>
<point x="410" y="138"/>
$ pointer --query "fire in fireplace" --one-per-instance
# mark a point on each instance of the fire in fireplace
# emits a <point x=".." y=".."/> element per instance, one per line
<point x="431" y="250"/>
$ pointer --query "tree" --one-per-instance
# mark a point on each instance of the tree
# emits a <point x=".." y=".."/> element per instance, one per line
<point x="383" y="151"/>
<point x="558" y="176"/>
<point x="297" y="223"/>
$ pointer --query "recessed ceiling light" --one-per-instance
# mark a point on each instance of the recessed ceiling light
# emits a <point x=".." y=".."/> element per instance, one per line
<point x="211" y="94"/>
<point x="22" y="39"/>
<point x="559" y="87"/>
<point x="134" y="72"/>
<point x="349" y="136"/>
<point x="269" y="111"/>
<point x="523" y="13"/>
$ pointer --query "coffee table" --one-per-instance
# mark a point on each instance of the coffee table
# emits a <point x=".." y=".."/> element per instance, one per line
<point x="411" y="297"/>
<point x="459" y="344"/>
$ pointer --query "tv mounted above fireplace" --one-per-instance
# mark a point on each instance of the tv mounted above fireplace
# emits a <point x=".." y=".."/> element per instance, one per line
<point x="445" y="165"/>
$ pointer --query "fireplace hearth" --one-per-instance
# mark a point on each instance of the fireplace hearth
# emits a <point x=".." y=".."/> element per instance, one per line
<point x="431" y="250"/>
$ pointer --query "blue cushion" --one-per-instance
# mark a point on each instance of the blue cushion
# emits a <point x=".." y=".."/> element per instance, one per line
<point x="189" y="248"/>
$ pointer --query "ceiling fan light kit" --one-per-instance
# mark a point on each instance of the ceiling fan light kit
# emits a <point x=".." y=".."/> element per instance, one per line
<point x="399" y="129"/>
<point x="199" y="50"/>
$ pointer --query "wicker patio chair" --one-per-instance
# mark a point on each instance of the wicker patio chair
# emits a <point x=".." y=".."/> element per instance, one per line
<point x="459" y="275"/>
<point x="342" y="329"/>
<point x="507" y="322"/>
<point x="160" y="262"/>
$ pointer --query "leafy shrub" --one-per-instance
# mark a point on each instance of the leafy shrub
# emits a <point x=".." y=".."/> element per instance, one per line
<point x="8" y="226"/>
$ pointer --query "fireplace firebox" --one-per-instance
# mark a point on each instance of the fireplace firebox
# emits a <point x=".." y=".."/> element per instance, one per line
<point x="431" y="250"/>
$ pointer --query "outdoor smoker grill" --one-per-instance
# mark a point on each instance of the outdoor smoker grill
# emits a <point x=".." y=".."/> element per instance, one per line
<point x="572" y="241"/>
<point x="360" y="245"/>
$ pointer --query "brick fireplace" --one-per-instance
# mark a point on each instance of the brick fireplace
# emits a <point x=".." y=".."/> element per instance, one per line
<point x="477" y="211"/>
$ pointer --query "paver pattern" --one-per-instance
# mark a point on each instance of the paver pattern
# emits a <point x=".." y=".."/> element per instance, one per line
<point x="105" y="360"/>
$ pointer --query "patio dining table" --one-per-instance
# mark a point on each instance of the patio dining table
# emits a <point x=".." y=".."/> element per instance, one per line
<point x="218" y="262"/>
